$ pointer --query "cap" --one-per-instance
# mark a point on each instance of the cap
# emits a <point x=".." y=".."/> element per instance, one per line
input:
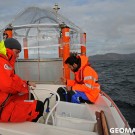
<point x="12" y="43"/>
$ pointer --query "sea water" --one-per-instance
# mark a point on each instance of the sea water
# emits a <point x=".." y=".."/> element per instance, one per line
<point x="117" y="79"/>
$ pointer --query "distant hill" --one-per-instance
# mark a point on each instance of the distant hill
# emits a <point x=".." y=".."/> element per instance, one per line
<point x="113" y="56"/>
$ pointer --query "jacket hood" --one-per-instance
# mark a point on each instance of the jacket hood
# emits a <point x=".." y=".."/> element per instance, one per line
<point x="11" y="56"/>
<point x="84" y="61"/>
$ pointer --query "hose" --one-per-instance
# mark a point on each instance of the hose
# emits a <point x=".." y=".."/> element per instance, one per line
<point x="50" y="113"/>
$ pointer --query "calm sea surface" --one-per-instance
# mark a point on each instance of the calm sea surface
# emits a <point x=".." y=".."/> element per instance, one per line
<point x="117" y="79"/>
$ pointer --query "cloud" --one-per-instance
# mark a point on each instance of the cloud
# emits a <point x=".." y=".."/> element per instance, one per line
<point x="109" y="24"/>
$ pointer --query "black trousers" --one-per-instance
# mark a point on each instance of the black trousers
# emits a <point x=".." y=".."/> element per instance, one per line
<point x="40" y="109"/>
<point x="67" y="96"/>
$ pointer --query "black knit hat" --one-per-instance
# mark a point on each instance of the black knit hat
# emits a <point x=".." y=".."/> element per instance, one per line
<point x="12" y="43"/>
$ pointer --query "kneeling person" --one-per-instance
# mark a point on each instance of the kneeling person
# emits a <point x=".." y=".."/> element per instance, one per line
<point x="85" y="86"/>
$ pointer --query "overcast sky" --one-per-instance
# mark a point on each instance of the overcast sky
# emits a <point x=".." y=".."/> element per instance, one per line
<point x="109" y="24"/>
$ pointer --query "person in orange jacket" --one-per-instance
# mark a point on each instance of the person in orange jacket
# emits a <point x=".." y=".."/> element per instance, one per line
<point x="14" y="103"/>
<point x="85" y="86"/>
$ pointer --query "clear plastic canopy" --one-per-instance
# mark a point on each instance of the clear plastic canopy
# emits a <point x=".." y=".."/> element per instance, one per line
<point x="42" y="29"/>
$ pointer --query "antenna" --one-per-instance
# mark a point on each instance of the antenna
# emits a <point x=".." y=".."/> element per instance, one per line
<point x="56" y="8"/>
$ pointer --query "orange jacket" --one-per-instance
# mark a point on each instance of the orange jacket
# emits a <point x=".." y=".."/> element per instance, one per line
<point x="11" y="84"/>
<point x="86" y="80"/>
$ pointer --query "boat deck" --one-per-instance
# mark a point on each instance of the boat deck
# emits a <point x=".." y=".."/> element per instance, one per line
<point x="79" y="119"/>
<point x="30" y="128"/>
